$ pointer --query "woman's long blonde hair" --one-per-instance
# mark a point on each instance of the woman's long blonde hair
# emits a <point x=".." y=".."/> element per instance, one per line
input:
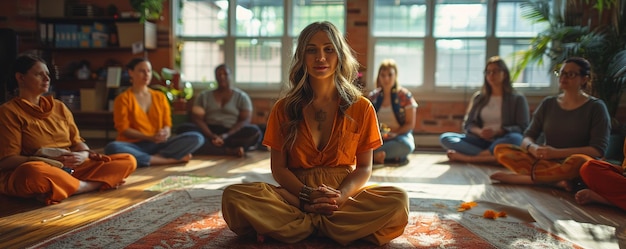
<point x="300" y="93"/>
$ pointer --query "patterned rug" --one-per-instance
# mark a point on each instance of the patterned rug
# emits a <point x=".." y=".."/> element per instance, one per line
<point x="191" y="218"/>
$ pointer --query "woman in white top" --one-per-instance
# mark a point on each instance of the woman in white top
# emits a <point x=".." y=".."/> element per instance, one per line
<point x="395" y="108"/>
<point x="496" y="115"/>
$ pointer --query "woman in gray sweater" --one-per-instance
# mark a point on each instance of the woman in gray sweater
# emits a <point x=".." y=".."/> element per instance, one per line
<point x="576" y="128"/>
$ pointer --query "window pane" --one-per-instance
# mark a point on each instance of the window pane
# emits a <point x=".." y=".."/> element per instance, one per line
<point x="260" y="18"/>
<point x="460" y="18"/>
<point x="307" y="12"/>
<point x="533" y="75"/>
<point x="408" y="54"/>
<point x="198" y="59"/>
<point x="203" y="18"/>
<point x="399" y="18"/>
<point x="509" y="22"/>
<point x="258" y="61"/>
<point x="460" y="63"/>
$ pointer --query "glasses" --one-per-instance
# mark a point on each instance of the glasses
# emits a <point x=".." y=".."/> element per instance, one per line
<point x="488" y="72"/>
<point x="565" y="74"/>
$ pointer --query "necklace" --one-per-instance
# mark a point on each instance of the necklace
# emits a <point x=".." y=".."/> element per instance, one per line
<point x="320" y="117"/>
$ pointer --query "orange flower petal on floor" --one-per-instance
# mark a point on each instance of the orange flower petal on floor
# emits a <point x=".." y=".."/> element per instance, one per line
<point x="490" y="214"/>
<point x="466" y="206"/>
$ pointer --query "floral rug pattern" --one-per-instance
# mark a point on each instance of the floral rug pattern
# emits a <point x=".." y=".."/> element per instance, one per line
<point x="191" y="218"/>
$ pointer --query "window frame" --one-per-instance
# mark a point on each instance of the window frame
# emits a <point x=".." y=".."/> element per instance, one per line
<point x="287" y="40"/>
<point x="427" y="88"/>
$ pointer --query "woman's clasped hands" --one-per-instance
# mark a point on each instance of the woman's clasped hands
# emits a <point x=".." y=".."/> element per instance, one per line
<point x="161" y="136"/>
<point x="323" y="200"/>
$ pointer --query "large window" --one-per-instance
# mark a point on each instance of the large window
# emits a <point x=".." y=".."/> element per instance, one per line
<point x="442" y="45"/>
<point x="254" y="37"/>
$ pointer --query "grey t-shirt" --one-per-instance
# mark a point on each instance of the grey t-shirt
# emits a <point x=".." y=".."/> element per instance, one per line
<point x="587" y="125"/>
<point x="226" y="115"/>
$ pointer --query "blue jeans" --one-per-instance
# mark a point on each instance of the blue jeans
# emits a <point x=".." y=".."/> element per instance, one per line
<point x="176" y="146"/>
<point x="472" y="145"/>
<point x="398" y="148"/>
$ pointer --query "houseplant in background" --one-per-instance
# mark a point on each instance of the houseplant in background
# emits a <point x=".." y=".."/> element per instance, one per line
<point x="170" y="83"/>
<point x="565" y="36"/>
<point x="148" y="9"/>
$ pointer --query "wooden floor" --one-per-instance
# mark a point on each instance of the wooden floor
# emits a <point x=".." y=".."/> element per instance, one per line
<point x="429" y="175"/>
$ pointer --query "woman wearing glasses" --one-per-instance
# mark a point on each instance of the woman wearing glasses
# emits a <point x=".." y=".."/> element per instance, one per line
<point x="573" y="126"/>
<point x="497" y="114"/>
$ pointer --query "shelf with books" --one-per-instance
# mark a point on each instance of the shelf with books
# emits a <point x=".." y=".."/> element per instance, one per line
<point x="80" y="50"/>
<point x="95" y="32"/>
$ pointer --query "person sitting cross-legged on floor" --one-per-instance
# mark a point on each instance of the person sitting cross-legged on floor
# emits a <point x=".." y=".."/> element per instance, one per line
<point x="42" y="154"/>
<point x="143" y="121"/>
<point x="223" y="116"/>
<point x="575" y="127"/>
<point x="321" y="136"/>
<point x="497" y="114"/>
<point x="395" y="108"/>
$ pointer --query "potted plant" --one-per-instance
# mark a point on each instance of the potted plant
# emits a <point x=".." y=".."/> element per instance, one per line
<point x="177" y="92"/>
<point x="604" y="46"/>
<point x="148" y="9"/>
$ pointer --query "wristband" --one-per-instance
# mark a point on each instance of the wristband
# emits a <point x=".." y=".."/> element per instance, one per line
<point x="224" y="136"/>
<point x="305" y="196"/>
<point x="528" y="146"/>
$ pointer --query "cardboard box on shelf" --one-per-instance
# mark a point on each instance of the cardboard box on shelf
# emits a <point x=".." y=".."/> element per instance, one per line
<point x="51" y="8"/>
<point x="93" y="99"/>
<point x="129" y="33"/>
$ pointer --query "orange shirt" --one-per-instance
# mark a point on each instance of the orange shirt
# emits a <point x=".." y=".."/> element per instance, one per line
<point x="27" y="127"/>
<point x="353" y="133"/>
<point x="128" y="114"/>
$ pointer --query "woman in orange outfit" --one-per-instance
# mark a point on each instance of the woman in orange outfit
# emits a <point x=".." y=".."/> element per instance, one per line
<point x="143" y="121"/>
<point x="322" y="135"/>
<point x="42" y="154"/>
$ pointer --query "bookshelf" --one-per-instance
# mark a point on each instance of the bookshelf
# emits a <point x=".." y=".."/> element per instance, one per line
<point x="80" y="49"/>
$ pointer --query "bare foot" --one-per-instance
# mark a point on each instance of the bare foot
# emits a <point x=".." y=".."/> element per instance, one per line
<point x="379" y="157"/>
<point x="237" y="151"/>
<point x="160" y="160"/>
<point x="186" y="158"/>
<point x="587" y="196"/>
<point x="119" y="184"/>
<point x="85" y="187"/>
<point x="566" y="185"/>
<point x="455" y="156"/>
<point x="512" y="178"/>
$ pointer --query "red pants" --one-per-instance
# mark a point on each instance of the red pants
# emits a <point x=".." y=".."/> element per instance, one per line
<point x="606" y="180"/>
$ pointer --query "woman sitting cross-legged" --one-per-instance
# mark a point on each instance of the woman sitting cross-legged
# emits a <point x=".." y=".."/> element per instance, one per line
<point x="321" y="135"/>
<point x="395" y="109"/>
<point x="42" y="155"/>
<point x="576" y="129"/>
<point x="496" y="115"/>
<point x="143" y="121"/>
